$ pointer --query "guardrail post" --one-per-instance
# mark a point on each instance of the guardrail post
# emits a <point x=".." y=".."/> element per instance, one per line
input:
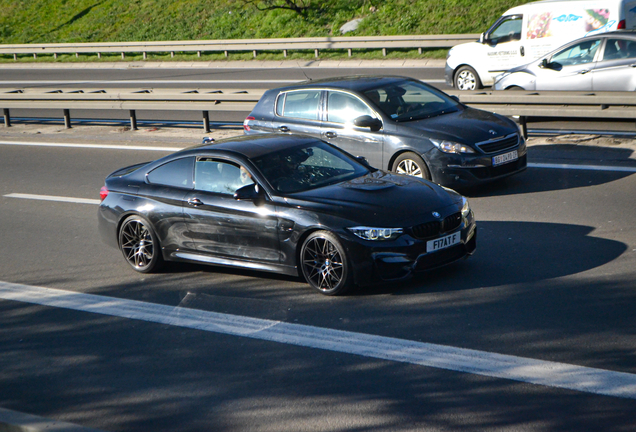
<point x="384" y="52"/>
<point x="145" y="56"/>
<point x="7" y="118"/>
<point x="523" y="121"/>
<point x="35" y="55"/>
<point x="99" y="55"/>
<point x="316" y="53"/>
<point x="133" y="120"/>
<point x="225" y="53"/>
<point x="67" y="119"/>
<point x="55" y="56"/>
<point x="254" y="53"/>
<point x="123" y="56"/>
<point x="171" y="54"/>
<point x="198" y="53"/>
<point x="349" y="52"/>
<point x="206" y="121"/>
<point x="419" y="50"/>
<point x="15" y="57"/>
<point x="284" y="53"/>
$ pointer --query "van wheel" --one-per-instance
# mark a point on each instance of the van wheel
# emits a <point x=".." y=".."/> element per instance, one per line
<point x="467" y="79"/>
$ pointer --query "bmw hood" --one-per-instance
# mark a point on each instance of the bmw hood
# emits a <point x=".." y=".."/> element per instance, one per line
<point x="465" y="126"/>
<point x="380" y="196"/>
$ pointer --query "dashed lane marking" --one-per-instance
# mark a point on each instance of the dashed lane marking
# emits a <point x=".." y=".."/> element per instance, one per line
<point x="545" y="373"/>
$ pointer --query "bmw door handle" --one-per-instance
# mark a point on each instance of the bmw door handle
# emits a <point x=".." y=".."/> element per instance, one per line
<point x="331" y="134"/>
<point x="283" y="128"/>
<point x="195" y="202"/>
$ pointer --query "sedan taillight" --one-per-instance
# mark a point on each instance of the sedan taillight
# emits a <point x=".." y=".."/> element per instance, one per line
<point x="103" y="193"/>
<point x="246" y="123"/>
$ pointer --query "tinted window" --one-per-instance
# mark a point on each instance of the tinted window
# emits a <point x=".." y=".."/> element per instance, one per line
<point x="411" y="100"/>
<point x="580" y="53"/>
<point x="302" y="104"/>
<point x="309" y="166"/>
<point x="220" y="177"/>
<point x="619" y="49"/>
<point x="343" y="108"/>
<point x="508" y="30"/>
<point x="177" y="173"/>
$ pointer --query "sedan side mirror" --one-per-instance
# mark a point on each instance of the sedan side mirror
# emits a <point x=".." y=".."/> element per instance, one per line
<point x="545" y="63"/>
<point x="250" y="192"/>
<point x="367" y="121"/>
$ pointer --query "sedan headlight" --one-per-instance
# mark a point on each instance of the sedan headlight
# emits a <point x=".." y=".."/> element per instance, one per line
<point x="451" y="147"/>
<point x="376" y="234"/>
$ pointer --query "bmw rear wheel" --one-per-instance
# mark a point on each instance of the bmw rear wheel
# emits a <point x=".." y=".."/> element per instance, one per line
<point x="411" y="164"/>
<point x="139" y="245"/>
<point x="324" y="264"/>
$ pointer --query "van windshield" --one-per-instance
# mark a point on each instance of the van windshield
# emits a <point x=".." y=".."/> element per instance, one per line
<point x="408" y="100"/>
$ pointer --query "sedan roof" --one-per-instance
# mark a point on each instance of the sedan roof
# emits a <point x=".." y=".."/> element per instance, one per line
<point x="252" y="146"/>
<point x="359" y="83"/>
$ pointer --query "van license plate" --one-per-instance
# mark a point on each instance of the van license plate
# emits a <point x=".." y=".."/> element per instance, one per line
<point x="443" y="242"/>
<point x="505" y="158"/>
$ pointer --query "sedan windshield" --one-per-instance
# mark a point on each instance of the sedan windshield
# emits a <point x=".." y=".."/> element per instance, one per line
<point x="307" y="167"/>
<point x="411" y="100"/>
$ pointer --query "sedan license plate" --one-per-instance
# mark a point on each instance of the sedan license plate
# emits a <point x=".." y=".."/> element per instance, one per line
<point x="505" y="158"/>
<point x="443" y="242"/>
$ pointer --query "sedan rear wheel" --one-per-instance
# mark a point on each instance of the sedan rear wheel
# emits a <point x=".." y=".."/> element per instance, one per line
<point x="139" y="245"/>
<point x="324" y="264"/>
<point x="411" y="164"/>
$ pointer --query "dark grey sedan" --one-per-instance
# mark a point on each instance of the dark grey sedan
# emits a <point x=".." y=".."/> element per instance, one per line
<point x="604" y="62"/>
<point x="398" y="124"/>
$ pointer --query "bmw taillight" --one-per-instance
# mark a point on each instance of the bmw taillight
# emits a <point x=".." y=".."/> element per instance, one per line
<point x="103" y="193"/>
<point x="621" y="25"/>
<point x="246" y="123"/>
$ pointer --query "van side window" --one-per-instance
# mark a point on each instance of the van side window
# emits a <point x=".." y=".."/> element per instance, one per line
<point x="508" y="30"/>
<point x="301" y="104"/>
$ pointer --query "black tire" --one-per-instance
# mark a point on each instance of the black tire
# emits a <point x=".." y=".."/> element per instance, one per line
<point x="515" y="88"/>
<point x="139" y="245"/>
<point x="411" y="164"/>
<point x="325" y="265"/>
<point x="467" y="79"/>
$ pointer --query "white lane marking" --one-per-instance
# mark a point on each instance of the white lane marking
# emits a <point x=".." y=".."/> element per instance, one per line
<point x="545" y="373"/>
<point x="582" y="167"/>
<point x="91" y="146"/>
<point x="54" y="198"/>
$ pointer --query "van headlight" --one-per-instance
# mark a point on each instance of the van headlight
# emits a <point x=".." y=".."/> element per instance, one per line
<point x="451" y="147"/>
<point x="376" y="234"/>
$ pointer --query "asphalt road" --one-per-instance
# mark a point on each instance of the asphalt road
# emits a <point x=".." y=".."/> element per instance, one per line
<point x="552" y="280"/>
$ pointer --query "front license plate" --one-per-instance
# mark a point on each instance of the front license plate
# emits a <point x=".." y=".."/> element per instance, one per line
<point x="443" y="242"/>
<point x="505" y="158"/>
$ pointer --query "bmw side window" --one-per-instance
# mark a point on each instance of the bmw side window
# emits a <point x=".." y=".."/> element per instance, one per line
<point x="302" y="104"/>
<point x="343" y="108"/>
<point x="580" y="53"/>
<point x="177" y="173"/>
<point x="220" y="177"/>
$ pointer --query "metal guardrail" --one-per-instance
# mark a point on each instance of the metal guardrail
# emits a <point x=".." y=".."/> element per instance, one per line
<point x="287" y="44"/>
<point x="525" y="105"/>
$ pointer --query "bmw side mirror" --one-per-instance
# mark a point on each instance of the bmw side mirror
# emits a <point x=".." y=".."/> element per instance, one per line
<point x="367" y="121"/>
<point x="363" y="160"/>
<point x="250" y="192"/>
<point x="455" y="98"/>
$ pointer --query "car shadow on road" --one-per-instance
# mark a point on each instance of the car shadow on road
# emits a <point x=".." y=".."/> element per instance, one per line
<point x="511" y="253"/>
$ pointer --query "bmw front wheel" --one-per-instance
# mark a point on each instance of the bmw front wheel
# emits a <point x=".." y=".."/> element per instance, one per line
<point x="324" y="264"/>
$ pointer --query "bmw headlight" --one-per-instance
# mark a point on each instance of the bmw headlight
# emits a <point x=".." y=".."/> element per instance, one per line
<point x="465" y="208"/>
<point x="451" y="147"/>
<point x="376" y="234"/>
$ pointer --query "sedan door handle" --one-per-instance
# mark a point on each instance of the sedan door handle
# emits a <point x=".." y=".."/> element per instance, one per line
<point x="195" y="202"/>
<point x="331" y="134"/>
<point x="283" y="129"/>
<point x="583" y="72"/>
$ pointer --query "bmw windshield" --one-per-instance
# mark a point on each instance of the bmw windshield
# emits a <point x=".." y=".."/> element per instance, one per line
<point x="408" y="100"/>
<point x="308" y="167"/>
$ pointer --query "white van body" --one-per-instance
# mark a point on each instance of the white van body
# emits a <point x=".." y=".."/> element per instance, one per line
<point x="529" y="31"/>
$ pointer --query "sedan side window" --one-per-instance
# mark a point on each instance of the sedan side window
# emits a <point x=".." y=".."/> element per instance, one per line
<point x="177" y="173"/>
<point x="343" y="108"/>
<point x="300" y="104"/>
<point x="219" y="177"/>
<point x="580" y="53"/>
<point x="619" y="49"/>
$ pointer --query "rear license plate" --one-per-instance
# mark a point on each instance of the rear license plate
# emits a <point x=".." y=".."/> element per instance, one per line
<point x="505" y="158"/>
<point x="443" y="242"/>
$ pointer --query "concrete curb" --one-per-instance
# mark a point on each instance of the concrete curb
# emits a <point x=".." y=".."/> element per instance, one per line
<point x="13" y="421"/>
<point x="251" y="64"/>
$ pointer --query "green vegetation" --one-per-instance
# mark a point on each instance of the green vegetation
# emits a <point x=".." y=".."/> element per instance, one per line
<point x="49" y="21"/>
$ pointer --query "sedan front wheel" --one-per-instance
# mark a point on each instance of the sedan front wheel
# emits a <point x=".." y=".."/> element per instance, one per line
<point x="324" y="264"/>
<point x="411" y="164"/>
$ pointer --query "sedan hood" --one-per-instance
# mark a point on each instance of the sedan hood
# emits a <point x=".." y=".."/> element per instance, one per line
<point x="381" y="198"/>
<point x="466" y="126"/>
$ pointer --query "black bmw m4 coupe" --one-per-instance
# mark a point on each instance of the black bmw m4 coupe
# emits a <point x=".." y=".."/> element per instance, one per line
<point x="288" y="204"/>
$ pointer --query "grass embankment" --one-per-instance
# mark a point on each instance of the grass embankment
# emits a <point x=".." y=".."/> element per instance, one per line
<point x="78" y="21"/>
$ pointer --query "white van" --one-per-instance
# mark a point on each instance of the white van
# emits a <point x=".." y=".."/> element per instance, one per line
<point x="529" y="31"/>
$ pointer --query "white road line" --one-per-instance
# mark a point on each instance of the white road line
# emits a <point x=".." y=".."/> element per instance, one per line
<point x="582" y="167"/>
<point x="91" y="146"/>
<point x="54" y="198"/>
<point x="545" y="373"/>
